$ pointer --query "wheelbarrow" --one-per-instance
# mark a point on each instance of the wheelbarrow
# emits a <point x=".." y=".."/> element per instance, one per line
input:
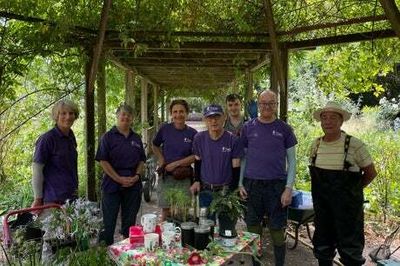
<point x="299" y="217"/>
<point x="7" y="238"/>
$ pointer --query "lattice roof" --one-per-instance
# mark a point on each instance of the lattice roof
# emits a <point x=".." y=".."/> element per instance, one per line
<point x="205" y="43"/>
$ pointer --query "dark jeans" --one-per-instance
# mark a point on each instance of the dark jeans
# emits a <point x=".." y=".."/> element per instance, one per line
<point x="264" y="198"/>
<point x="128" y="199"/>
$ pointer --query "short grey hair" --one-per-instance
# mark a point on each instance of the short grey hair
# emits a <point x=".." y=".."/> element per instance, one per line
<point x="64" y="103"/>
<point x="123" y="107"/>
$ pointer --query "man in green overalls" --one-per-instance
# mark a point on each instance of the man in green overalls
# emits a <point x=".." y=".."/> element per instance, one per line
<point x="340" y="167"/>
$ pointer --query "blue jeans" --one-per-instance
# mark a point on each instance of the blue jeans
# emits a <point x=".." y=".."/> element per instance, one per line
<point x="128" y="199"/>
<point x="205" y="199"/>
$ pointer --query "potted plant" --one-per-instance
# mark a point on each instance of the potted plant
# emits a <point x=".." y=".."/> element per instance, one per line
<point x="179" y="203"/>
<point x="73" y="228"/>
<point x="228" y="207"/>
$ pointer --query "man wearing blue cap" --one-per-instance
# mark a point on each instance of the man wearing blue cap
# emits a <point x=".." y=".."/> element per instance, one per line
<point x="217" y="153"/>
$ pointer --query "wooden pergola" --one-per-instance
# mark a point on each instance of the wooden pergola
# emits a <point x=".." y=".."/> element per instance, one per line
<point x="207" y="59"/>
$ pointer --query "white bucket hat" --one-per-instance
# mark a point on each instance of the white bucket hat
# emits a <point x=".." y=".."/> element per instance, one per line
<point x="332" y="107"/>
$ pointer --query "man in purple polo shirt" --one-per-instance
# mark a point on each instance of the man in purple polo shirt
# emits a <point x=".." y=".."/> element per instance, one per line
<point x="269" y="172"/>
<point x="55" y="166"/>
<point x="121" y="156"/>
<point x="217" y="153"/>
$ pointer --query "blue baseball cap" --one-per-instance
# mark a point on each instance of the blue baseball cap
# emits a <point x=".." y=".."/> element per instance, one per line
<point x="213" y="109"/>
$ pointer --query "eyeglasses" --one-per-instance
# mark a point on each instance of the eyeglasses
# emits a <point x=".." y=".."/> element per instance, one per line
<point x="270" y="104"/>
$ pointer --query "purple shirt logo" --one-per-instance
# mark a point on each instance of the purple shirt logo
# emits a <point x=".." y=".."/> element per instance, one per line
<point x="135" y="144"/>
<point x="277" y="133"/>
<point x="226" y="149"/>
<point x="187" y="140"/>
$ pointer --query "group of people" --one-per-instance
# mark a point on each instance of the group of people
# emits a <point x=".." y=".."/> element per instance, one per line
<point x="255" y="157"/>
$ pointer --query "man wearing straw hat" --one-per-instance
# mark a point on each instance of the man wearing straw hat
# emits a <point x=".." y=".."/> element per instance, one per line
<point x="340" y="167"/>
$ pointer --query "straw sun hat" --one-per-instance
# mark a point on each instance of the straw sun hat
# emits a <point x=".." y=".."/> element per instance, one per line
<point x="332" y="107"/>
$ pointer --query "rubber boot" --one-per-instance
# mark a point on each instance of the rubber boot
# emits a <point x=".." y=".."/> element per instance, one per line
<point x="279" y="254"/>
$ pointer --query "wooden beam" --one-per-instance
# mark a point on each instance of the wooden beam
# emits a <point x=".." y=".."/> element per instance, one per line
<point x="126" y="66"/>
<point x="261" y="63"/>
<point x="99" y="44"/>
<point x="194" y="55"/>
<point x="393" y="14"/>
<point x="331" y="25"/>
<point x="115" y="34"/>
<point x="222" y="47"/>
<point x="187" y="63"/>
<point x="356" y="37"/>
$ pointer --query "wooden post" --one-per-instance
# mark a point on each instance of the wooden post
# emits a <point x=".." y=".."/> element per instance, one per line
<point x="162" y="95"/>
<point x="143" y="112"/>
<point x="283" y="92"/>
<point x="101" y="113"/>
<point x="101" y="100"/>
<point x="278" y="64"/>
<point x="90" y="136"/>
<point x="98" y="48"/>
<point x="392" y="13"/>
<point x="167" y="100"/>
<point x="273" y="79"/>
<point x="130" y="88"/>
<point x="90" y="77"/>
<point x="155" y="107"/>
<point x="248" y="91"/>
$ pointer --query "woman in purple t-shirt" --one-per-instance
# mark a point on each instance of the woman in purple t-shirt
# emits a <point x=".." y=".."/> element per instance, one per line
<point x="172" y="146"/>
<point x="55" y="166"/>
<point x="121" y="156"/>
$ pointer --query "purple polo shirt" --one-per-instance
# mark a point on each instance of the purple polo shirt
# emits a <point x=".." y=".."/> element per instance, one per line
<point x="123" y="153"/>
<point x="176" y="143"/>
<point x="58" y="154"/>
<point x="216" y="156"/>
<point x="266" y="145"/>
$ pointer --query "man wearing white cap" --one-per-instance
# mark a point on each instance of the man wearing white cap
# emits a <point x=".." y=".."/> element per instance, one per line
<point x="340" y="167"/>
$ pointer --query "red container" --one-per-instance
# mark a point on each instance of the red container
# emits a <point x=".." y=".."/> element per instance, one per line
<point x="136" y="236"/>
<point x="158" y="231"/>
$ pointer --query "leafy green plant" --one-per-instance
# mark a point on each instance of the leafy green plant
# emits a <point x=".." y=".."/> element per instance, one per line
<point x="83" y="217"/>
<point x="22" y="251"/>
<point x="228" y="203"/>
<point x="90" y="257"/>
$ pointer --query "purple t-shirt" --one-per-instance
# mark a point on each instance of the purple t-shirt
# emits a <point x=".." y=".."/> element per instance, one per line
<point x="216" y="156"/>
<point x="266" y="145"/>
<point x="176" y="143"/>
<point x="58" y="154"/>
<point x="123" y="153"/>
